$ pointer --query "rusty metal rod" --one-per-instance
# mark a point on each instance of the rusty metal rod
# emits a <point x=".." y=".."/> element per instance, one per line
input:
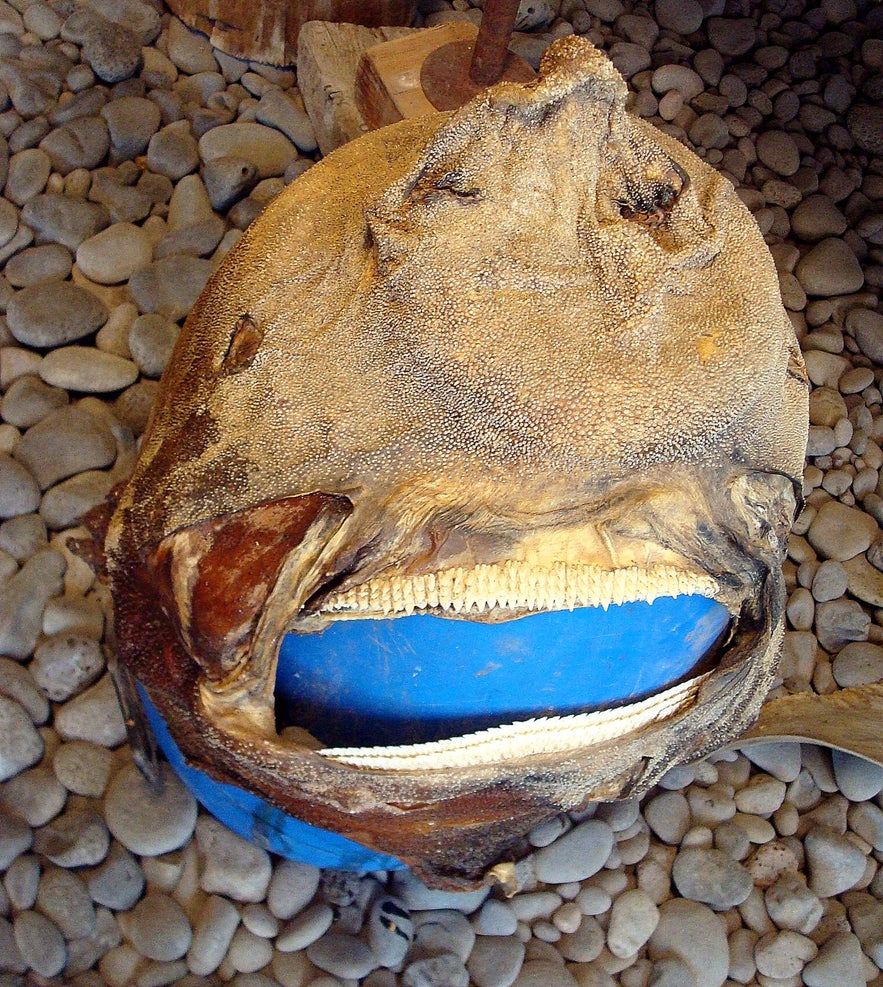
<point x="492" y="43"/>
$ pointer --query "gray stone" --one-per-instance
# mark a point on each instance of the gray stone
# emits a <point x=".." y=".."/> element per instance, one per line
<point x="21" y="881"/>
<point x="170" y="286"/>
<point x="33" y="89"/>
<point x="692" y="933"/>
<point x="680" y="16"/>
<point x="864" y="581"/>
<point x="41" y="19"/>
<point x="114" y="254"/>
<point x="390" y="931"/>
<point x="447" y="969"/>
<point x="131" y="122"/>
<point x="791" y="905"/>
<point x="816" y="218"/>
<point x="839" y="622"/>
<point x="278" y="110"/>
<point x="28" y="400"/>
<point x="54" y="314"/>
<point x="858" y="779"/>
<point x="173" y="151"/>
<point x="146" y="822"/>
<point x="158" y="928"/>
<point x="36" y="265"/>
<point x="668" y="815"/>
<point x="9" y="221"/>
<point x="20" y="744"/>
<point x="65" y="442"/>
<point x="82" y="143"/>
<point x="17" y="682"/>
<point x="233" y="867"/>
<point x="125" y="203"/>
<point x="35" y="795"/>
<point x="23" y="599"/>
<point x="228" y="179"/>
<point x="83" y="768"/>
<point x="711" y="877"/>
<point x="111" y="49"/>
<point x="78" y="838"/>
<point x="190" y="51"/>
<point x="342" y="956"/>
<point x="215" y="925"/>
<point x="840" y="532"/>
<point x="839" y="964"/>
<point x="93" y="715"/>
<point x="731" y="35"/>
<point x="28" y="173"/>
<point x="305" y="928"/>
<point x="64" y="505"/>
<point x="65" y="664"/>
<point x="86" y="369"/>
<point x="23" y="536"/>
<point x="292" y="887"/>
<point x="866" y="326"/>
<point x="495" y="961"/>
<point x="40" y="943"/>
<point x="269" y="149"/>
<point x="829" y="582"/>
<point x="63" y="219"/>
<point x="866" y="821"/>
<point x="865" y="124"/>
<point x="830" y="268"/>
<point x="118" y="882"/>
<point x="64" y="898"/>
<point x="834" y="863"/>
<point x="138" y="17"/>
<point x="15" y="838"/>
<point x="198" y="240"/>
<point x="778" y="150"/>
<point x="19" y="493"/>
<point x="575" y="856"/>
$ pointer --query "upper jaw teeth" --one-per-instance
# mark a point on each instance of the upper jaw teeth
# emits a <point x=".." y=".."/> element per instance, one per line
<point x="516" y="586"/>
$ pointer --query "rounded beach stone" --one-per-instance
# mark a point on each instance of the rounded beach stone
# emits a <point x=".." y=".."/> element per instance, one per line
<point x="778" y="150"/>
<point x="287" y="115"/>
<point x="158" y="928"/>
<point x="216" y="923"/>
<point x="495" y="961"/>
<point x="19" y="492"/>
<point x="93" y="715"/>
<point x="838" y="964"/>
<point x="865" y="124"/>
<point x="131" y="121"/>
<point x="292" y="887"/>
<point x="694" y="934"/>
<point x="83" y="768"/>
<point x="15" y="838"/>
<point x="151" y="341"/>
<point x="145" y="822"/>
<point x="228" y="178"/>
<point x="79" y="838"/>
<point x="40" y="943"/>
<point x="668" y="815"/>
<point x="65" y="664"/>
<point x="86" y="369"/>
<point x="783" y="954"/>
<point x="64" y="219"/>
<point x="633" y="919"/>
<point x="830" y="268"/>
<point x="817" y="217"/>
<point x="63" y="897"/>
<point x="390" y="931"/>
<point x="248" y="952"/>
<point x="21" y="881"/>
<point x="305" y="928"/>
<point x="50" y="262"/>
<point x="834" y="863"/>
<point x="859" y="663"/>
<point x="114" y="254"/>
<point x="170" y="286"/>
<point x="118" y="882"/>
<point x="173" y="151"/>
<point x="23" y="599"/>
<point x="857" y="778"/>
<point x="47" y="315"/>
<point x="791" y="905"/>
<point x="20" y="743"/>
<point x="268" y="149"/>
<point x="866" y="326"/>
<point x="840" y="532"/>
<point x="232" y="866"/>
<point x="575" y="856"/>
<point x="82" y="143"/>
<point x="65" y="504"/>
<point x="29" y="171"/>
<point x="711" y="877"/>
<point x="680" y="16"/>
<point x="342" y="956"/>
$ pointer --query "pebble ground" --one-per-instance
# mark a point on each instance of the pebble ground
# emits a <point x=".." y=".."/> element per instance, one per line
<point x="132" y="156"/>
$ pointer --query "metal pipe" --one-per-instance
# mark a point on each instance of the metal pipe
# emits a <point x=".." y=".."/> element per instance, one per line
<point x="492" y="43"/>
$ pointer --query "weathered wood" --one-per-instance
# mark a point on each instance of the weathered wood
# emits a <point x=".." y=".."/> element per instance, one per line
<point x="848" y="720"/>
<point x="327" y="58"/>
<point x="268" y="31"/>
<point x="387" y="83"/>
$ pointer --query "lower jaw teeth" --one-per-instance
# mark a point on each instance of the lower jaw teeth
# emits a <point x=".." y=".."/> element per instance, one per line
<point x="544" y="735"/>
<point x="515" y="586"/>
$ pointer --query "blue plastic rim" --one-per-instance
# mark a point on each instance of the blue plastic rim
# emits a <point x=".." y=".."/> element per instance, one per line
<point x="420" y="678"/>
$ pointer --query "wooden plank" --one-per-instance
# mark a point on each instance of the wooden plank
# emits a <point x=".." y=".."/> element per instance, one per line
<point x="387" y="84"/>
<point x="327" y="58"/>
<point x="268" y="31"/>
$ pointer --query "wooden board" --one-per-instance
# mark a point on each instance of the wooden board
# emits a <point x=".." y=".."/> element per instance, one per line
<point x="267" y="31"/>
<point x="387" y="84"/>
<point x="327" y="58"/>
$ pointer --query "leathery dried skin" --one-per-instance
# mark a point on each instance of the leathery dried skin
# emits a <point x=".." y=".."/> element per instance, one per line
<point x="527" y="355"/>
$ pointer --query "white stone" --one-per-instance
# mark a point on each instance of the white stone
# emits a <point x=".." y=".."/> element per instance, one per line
<point x="147" y="822"/>
<point x="233" y="866"/>
<point x="693" y="933"/>
<point x="633" y="919"/>
<point x="575" y="856"/>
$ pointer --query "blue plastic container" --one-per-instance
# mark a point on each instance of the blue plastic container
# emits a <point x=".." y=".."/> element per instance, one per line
<point x="422" y="678"/>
